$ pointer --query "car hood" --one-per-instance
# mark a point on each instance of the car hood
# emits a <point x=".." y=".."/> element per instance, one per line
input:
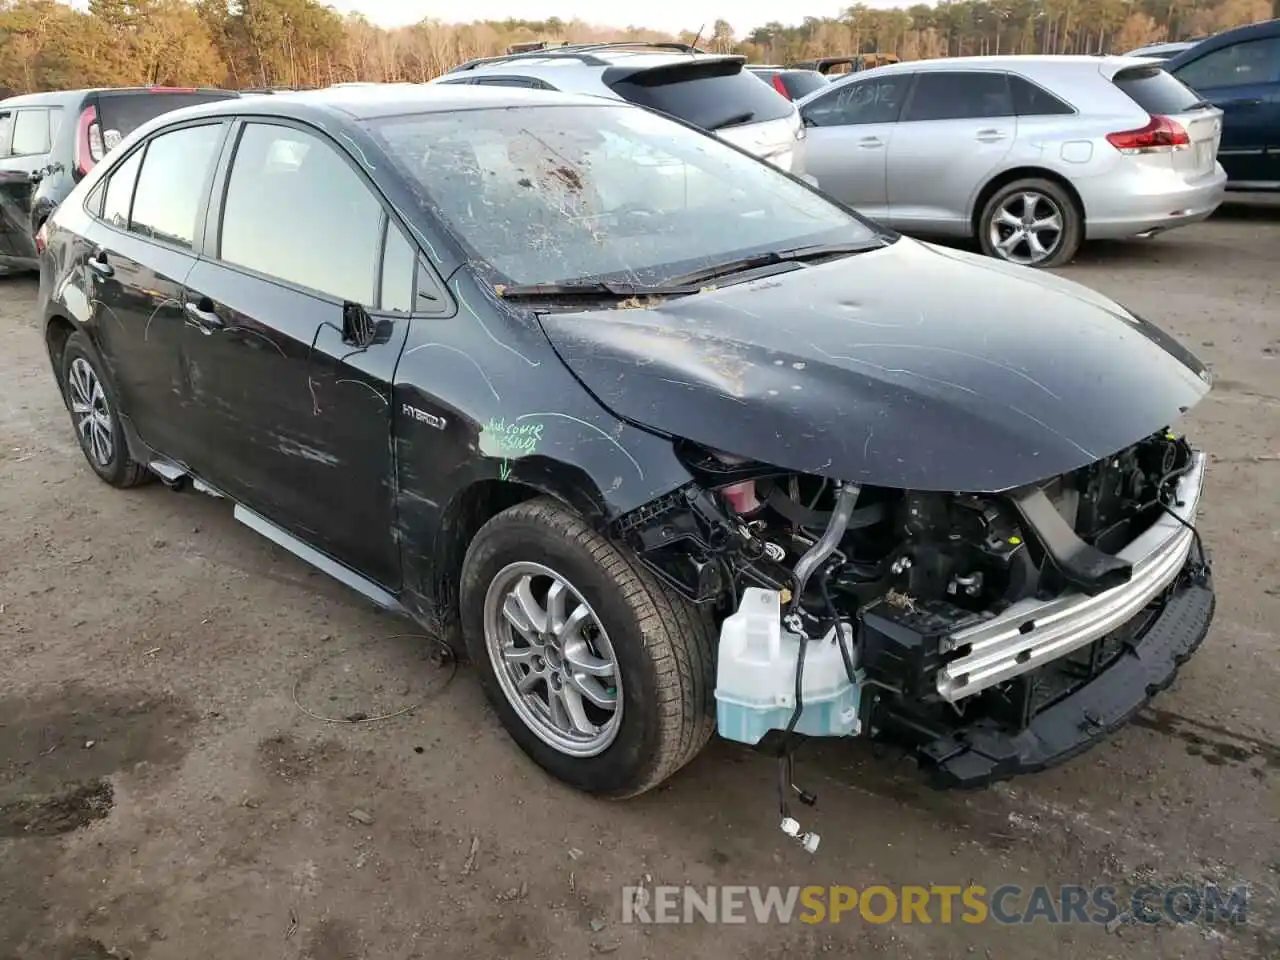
<point x="910" y="366"/>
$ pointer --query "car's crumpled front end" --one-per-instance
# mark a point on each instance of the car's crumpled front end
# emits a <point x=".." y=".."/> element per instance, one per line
<point x="994" y="634"/>
<point x="954" y="517"/>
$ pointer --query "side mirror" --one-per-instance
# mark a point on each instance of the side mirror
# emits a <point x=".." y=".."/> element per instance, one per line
<point x="358" y="329"/>
<point x="807" y="120"/>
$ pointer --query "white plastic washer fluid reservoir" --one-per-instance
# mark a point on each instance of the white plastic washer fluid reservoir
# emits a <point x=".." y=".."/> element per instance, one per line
<point x="756" y="676"/>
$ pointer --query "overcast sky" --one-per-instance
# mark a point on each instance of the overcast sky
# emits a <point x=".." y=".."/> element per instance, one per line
<point x="670" y="15"/>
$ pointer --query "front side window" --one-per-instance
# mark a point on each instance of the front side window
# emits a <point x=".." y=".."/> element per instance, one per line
<point x="295" y="210"/>
<point x="960" y="95"/>
<point x="556" y="193"/>
<point x="1241" y="64"/>
<point x="859" y="102"/>
<point x="30" y="133"/>
<point x="172" y="182"/>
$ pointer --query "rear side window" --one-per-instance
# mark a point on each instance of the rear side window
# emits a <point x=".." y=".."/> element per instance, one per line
<point x="706" y="93"/>
<point x="946" y="95"/>
<point x="1156" y="90"/>
<point x="802" y="84"/>
<point x="30" y="133"/>
<point x="172" y="183"/>
<point x="1030" y="100"/>
<point x="296" y="210"/>
<point x="122" y="113"/>
<point x="119" y="194"/>
<point x="1241" y="64"/>
<point x="6" y="131"/>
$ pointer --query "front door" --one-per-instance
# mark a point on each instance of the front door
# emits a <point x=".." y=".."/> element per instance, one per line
<point x="1244" y="80"/>
<point x="295" y="414"/>
<point x="846" y="146"/>
<point x="956" y="128"/>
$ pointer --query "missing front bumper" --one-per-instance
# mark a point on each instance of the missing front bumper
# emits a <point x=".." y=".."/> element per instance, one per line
<point x="983" y="753"/>
<point x="1034" y="632"/>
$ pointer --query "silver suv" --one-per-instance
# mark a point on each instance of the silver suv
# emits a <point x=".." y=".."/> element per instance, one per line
<point x="1029" y="154"/>
<point x="711" y="91"/>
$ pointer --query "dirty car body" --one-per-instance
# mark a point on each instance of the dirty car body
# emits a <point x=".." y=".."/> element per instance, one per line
<point x="645" y="424"/>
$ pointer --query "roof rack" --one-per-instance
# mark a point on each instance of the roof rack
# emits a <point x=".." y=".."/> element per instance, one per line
<point x="582" y="52"/>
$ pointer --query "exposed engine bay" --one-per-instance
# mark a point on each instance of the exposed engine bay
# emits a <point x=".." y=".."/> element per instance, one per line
<point x="905" y="594"/>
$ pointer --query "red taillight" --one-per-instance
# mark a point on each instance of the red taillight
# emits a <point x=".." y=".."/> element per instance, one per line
<point x="780" y="86"/>
<point x="89" y="147"/>
<point x="42" y="237"/>
<point x="1161" y="135"/>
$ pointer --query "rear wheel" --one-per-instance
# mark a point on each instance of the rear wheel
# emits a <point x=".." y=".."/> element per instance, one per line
<point x="1031" y="222"/>
<point x="93" y="408"/>
<point x="602" y="675"/>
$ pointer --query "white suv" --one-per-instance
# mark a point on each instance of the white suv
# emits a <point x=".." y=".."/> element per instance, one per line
<point x="711" y="91"/>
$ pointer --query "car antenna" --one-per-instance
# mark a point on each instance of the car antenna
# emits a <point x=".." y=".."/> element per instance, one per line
<point x="696" y="37"/>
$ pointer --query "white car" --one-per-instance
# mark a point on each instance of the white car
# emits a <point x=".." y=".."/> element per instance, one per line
<point x="712" y="91"/>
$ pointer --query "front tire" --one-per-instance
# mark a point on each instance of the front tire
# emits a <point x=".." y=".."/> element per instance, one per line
<point x="1032" y="222"/>
<point x="95" y="415"/>
<point x="602" y="675"/>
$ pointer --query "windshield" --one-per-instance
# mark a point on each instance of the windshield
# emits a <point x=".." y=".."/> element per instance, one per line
<point x="552" y="194"/>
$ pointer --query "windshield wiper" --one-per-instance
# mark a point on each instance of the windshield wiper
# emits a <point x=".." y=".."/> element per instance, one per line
<point x="595" y="290"/>
<point x="794" y="255"/>
<point x="1200" y="105"/>
<point x="744" y="117"/>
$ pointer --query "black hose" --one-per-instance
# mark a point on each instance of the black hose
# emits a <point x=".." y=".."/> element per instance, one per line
<point x="835" y="620"/>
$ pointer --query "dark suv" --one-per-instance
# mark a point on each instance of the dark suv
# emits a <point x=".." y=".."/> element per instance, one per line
<point x="48" y="141"/>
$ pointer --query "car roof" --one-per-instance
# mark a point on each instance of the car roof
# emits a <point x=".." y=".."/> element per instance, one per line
<point x="590" y="56"/>
<point x="1261" y="30"/>
<point x="386" y="100"/>
<point x="64" y="97"/>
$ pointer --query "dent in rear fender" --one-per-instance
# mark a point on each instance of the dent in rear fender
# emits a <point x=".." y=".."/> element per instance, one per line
<point x="482" y="397"/>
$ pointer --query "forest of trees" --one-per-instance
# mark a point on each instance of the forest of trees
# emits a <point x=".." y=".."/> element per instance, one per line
<point x="48" y="45"/>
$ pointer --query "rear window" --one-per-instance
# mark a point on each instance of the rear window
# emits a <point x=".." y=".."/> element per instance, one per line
<point x="1155" y="90"/>
<point x="122" y="113"/>
<point x="707" y="93"/>
<point x="802" y="84"/>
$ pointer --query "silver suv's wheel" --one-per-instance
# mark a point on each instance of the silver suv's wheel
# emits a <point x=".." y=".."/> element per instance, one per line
<point x="599" y="672"/>
<point x="1033" y="223"/>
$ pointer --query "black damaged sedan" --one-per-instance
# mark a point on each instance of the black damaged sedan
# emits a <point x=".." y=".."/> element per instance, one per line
<point x="670" y="443"/>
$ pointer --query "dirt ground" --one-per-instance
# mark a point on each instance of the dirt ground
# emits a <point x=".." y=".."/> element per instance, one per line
<point x="168" y="789"/>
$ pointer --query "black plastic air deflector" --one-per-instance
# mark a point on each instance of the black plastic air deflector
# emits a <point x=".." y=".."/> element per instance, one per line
<point x="1085" y="567"/>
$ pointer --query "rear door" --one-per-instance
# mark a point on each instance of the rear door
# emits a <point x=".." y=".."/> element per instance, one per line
<point x="849" y="131"/>
<point x="1243" y="79"/>
<point x="1163" y="95"/>
<point x="20" y="170"/>
<point x="956" y="128"/>
<point x="148" y="214"/>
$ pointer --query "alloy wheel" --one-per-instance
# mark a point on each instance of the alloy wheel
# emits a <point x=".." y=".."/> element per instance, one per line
<point x="553" y="659"/>
<point x="1027" y="228"/>
<point x="91" y="413"/>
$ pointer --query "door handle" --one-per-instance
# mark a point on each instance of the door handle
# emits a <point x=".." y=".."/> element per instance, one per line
<point x="99" y="265"/>
<point x="989" y="136"/>
<point x="870" y="143"/>
<point x="202" y="314"/>
<point x="35" y="176"/>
